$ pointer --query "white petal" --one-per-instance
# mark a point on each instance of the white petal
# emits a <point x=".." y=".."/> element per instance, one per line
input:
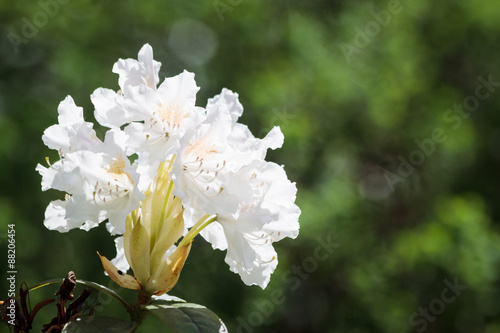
<point x="274" y="139"/>
<point x="115" y="142"/>
<point x="47" y="176"/>
<point x="214" y="234"/>
<point x="181" y="87"/>
<point x="120" y="261"/>
<point x="239" y="248"/>
<point x="55" y="217"/>
<point x="151" y="66"/>
<point x="229" y="100"/>
<point x="280" y="198"/>
<point x="57" y="178"/>
<point x="134" y="73"/>
<point x="72" y="133"/>
<point x="108" y="111"/>
<point x="69" y="113"/>
<point x="260" y="272"/>
<point x="56" y="137"/>
<point x="83" y="137"/>
<point x="130" y="73"/>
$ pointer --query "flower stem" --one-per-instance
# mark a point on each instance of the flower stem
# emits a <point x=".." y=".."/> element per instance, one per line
<point x="138" y="313"/>
<point x="89" y="284"/>
<point x="143" y="299"/>
<point x="107" y="291"/>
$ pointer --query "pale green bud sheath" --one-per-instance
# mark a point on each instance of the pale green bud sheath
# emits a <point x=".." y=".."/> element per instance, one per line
<point x="151" y="232"/>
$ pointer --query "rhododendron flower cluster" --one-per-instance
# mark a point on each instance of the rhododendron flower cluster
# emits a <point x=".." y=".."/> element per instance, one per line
<point x="224" y="188"/>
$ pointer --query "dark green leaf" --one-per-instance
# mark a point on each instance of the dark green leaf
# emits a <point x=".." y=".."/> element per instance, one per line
<point x="187" y="317"/>
<point x="93" y="324"/>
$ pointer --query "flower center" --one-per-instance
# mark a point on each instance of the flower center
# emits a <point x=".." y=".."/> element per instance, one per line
<point x="166" y="119"/>
<point x="117" y="167"/>
<point x="117" y="184"/>
<point x="201" y="149"/>
<point x="202" y="163"/>
<point x="172" y="113"/>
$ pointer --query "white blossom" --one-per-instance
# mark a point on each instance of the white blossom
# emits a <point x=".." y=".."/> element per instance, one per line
<point x="114" y="109"/>
<point x="72" y="133"/>
<point x="225" y="189"/>
<point x="165" y="115"/>
<point x="267" y="213"/>
<point x="98" y="186"/>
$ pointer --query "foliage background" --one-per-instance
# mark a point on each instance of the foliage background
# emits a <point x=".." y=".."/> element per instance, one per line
<point x="347" y="121"/>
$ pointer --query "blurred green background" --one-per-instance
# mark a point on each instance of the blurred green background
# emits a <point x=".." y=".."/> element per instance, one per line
<point x="392" y="134"/>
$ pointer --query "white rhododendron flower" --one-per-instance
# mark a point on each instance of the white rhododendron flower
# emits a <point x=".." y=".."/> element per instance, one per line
<point x="136" y="73"/>
<point x="164" y="116"/>
<point x="72" y="133"/>
<point x="230" y="194"/>
<point x="114" y="109"/>
<point x="266" y="214"/>
<point x="98" y="185"/>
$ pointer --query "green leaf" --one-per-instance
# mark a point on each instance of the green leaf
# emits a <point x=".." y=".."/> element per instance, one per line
<point x="187" y="317"/>
<point x="101" y="324"/>
<point x="166" y="298"/>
